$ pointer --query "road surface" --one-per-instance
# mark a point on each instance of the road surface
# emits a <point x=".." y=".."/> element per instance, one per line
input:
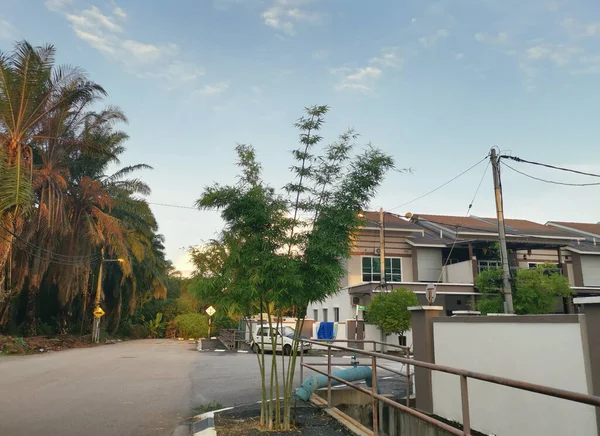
<point x="137" y="388"/>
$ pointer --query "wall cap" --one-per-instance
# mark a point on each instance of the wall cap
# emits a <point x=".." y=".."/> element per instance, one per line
<point x="586" y="300"/>
<point x="415" y="308"/>
<point x="466" y="312"/>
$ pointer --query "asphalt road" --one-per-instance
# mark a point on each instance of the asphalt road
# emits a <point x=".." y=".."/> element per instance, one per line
<point x="137" y="388"/>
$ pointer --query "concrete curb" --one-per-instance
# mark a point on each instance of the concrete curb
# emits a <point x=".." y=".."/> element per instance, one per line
<point x="204" y="424"/>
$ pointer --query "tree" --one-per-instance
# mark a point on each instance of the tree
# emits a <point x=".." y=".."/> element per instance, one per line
<point x="389" y="311"/>
<point x="535" y="290"/>
<point x="59" y="206"/>
<point x="279" y="253"/>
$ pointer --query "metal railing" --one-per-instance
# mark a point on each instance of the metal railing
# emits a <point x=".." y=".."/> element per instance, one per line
<point x="462" y="373"/>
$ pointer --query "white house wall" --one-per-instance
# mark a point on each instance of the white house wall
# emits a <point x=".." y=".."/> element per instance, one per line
<point x="546" y="353"/>
<point x="429" y="264"/>
<point x="590" y="266"/>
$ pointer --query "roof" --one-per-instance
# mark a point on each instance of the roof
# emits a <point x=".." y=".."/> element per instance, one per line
<point x="427" y="239"/>
<point x="451" y="222"/>
<point x="390" y="220"/>
<point x="590" y="228"/>
<point x="518" y="227"/>
<point x="584" y="247"/>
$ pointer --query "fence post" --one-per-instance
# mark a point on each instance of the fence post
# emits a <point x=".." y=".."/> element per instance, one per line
<point x="422" y="327"/>
<point x="329" y="376"/>
<point x="408" y="380"/>
<point x="375" y="402"/>
<point x="464" y="397"/>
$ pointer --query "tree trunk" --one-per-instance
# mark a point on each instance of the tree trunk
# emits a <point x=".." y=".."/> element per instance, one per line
<point x="119" y="306"/>
<point x="32" y="292"/>
<point x="30" y="315"/>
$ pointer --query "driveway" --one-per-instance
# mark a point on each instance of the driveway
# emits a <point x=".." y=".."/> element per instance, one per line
<point x="136" y="388"/>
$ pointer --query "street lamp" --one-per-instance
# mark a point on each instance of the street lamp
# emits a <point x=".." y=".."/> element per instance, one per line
<point x="98" y="312"/>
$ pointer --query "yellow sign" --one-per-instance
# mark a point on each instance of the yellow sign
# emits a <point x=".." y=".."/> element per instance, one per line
<point x="98" y="312"/>
<point x="211" y="311"/>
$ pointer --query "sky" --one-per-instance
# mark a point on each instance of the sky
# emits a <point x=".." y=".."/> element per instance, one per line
<point x="435" y="84"/>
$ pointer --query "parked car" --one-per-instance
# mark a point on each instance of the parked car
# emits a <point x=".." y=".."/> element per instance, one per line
<point x="285" y="339"/>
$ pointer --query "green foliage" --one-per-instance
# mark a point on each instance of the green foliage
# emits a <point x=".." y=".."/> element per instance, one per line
<point x="209" y="407"/>
<point x="279" y="253"/>
<point x="192" y="325"/>
<point x="389" y="310"/>
<point x="155" y="328"/>
<point x="535" y="291"/>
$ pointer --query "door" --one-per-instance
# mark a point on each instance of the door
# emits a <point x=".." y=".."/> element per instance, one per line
<point x="263" y="335"/>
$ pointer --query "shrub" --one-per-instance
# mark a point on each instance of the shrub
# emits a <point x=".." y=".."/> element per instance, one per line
<point x="192" y="325"/>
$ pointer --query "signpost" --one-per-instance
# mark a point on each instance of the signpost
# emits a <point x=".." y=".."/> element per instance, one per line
<point x="210" y="311"/>
<point x="98" y="313"/>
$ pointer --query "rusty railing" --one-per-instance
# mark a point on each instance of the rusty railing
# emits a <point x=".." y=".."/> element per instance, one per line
<point x="462" y="373"/>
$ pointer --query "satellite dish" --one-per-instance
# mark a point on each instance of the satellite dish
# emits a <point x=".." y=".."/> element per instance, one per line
<point x="408" y="215"/>
<point x="430" y="292"/>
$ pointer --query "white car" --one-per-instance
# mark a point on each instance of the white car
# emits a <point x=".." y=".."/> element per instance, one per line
<point x="285" y="339"/>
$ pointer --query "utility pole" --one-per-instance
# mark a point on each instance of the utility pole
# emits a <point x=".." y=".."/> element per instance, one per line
<point x="508" y="300"/>
<point x="382" y="248"/>
<point x="96" y="325"/>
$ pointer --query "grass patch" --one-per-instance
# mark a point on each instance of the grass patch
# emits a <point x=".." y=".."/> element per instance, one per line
<point x="204" y="408"/>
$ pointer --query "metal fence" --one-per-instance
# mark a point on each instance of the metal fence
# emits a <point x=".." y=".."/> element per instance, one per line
<point x="463" y="374"/>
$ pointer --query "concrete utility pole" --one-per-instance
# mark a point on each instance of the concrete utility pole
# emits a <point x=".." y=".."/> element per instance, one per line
<point x="381" y="247"/>
<point x="508" y="300"/>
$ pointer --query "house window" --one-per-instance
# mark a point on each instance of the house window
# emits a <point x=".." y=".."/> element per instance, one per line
<point x="371" y="269"/>
<point x="336" y="314"/>
<point x="315" y="314"/>
<point x="550" y="268"/>
<point x="324" y="315"/>
<point x="483" y="265"/>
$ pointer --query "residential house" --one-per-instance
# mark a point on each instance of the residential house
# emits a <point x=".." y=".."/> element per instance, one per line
<point x="450" y="251"/>
<point x="583" y="256"/>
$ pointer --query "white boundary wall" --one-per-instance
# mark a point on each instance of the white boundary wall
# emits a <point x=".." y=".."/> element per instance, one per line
<point x="547" y="353"/>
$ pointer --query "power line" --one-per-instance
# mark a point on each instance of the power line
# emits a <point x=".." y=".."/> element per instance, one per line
<point x="181" y="207"/>
<point x="466" y="215"/>
<point x="518" y="159"/>
<point x="441" y="186"/>
<point x="549" y="181"/>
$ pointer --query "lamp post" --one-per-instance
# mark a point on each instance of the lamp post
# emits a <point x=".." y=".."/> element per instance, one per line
<point x="98" y="312"/>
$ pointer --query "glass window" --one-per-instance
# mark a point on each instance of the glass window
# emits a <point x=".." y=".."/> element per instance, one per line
<point x="336" y="314"/>
<point x="315" y="314"/>
<point x="371" y="269"/>
<point x="483" y="265"/>
<point x="324" y="315"/>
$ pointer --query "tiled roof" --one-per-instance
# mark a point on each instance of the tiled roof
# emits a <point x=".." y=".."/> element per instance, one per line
<point x="582" y="227"/>
<point x="517" y="227"/>
<point x="451" y="222"/>
<point x="390" y="220"/>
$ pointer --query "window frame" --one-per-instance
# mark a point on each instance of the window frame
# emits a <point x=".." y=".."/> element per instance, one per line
<point x="325" y="318"/>
<point x="336" y="314"/>
<point x="392" y="275"/>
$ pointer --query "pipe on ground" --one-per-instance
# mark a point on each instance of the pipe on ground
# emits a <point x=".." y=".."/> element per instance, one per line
<point x="311" y="384"/>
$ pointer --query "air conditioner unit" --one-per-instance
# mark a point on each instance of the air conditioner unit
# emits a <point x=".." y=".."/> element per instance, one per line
<point x="355" y="300"/>
<point x="377" y="251"/>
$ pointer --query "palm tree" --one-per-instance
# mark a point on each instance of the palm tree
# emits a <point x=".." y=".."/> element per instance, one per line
<point x="32" y="91"/>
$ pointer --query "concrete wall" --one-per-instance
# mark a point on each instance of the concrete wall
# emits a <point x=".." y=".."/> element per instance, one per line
<point x="546" y="350"/>
<point x="341" y="300"/>
<point x="429" y="265"/>
<point x="461" y="272"/>
<point x="590" y="266"/>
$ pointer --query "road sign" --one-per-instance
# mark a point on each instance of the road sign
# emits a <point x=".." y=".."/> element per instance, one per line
<point x="430" y="291"/>
<point x="98" y="312"/>
<point x="362" y="307"/>
<point x="211" y="311"/>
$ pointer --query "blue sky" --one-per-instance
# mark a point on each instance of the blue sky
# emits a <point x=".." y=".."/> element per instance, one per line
<point x="435" y="84"/>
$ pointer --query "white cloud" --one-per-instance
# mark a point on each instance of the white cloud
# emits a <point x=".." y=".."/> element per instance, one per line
<point x="320" y="54"/>
<point x="576" y="29"/>
<point x="119" y="12"/>
<point x="104" y="32"/>
<point x="559" y="54"/>
<point x="388" y="58"/>
<point x="431" y="40"/>
<point x="360" y="79"/>
<point x="57" y="5"/>
<point x="7" y="30"/>
<point x="413" y="20"/>
<point x="499" y="38"/>
<point x="285" y="14"/>
<point x="213" y="89"/>
<point x="459" y="56"/>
